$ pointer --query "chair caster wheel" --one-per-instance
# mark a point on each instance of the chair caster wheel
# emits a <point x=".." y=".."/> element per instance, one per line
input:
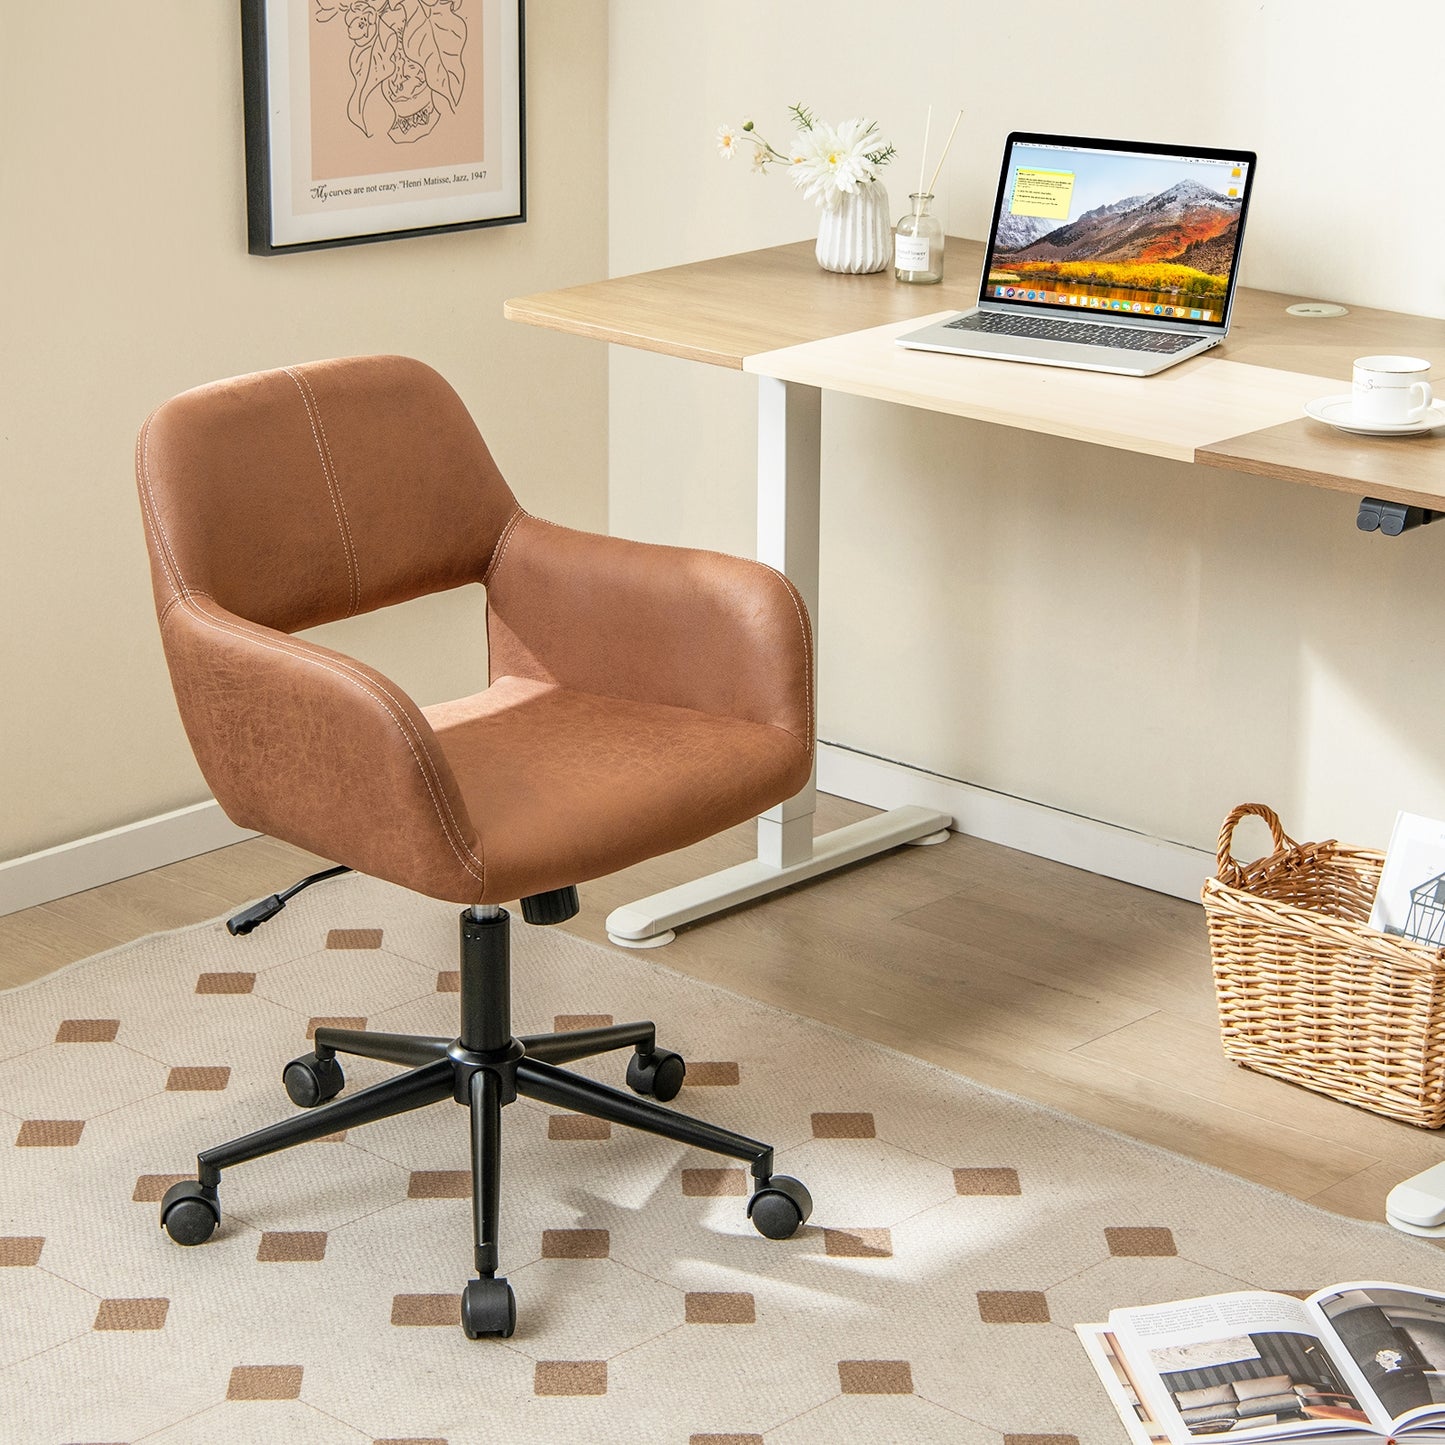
<point x="780" y="1207"/>
<point x="659" y="1073"/>
<point x="488" y="1308"/>
<point x="190" y="1212"/>
<point x="310" y="1080"/>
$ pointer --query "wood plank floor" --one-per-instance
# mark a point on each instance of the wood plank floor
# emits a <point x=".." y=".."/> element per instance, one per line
<point x="1078" y="992"/>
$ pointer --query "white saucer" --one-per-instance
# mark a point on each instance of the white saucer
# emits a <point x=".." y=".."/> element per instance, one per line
<point x="1339" y="412"/>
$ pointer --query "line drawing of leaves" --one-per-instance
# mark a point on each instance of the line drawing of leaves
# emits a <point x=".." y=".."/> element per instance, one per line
<point x="436" y="36"/>
<point x="370" y="66"/>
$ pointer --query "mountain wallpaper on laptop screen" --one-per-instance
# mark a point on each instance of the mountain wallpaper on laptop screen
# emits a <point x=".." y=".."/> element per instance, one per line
<point x="1179" y="240"/>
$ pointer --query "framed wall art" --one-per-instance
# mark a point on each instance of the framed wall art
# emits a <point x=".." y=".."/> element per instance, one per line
<point x="368" y="120"/>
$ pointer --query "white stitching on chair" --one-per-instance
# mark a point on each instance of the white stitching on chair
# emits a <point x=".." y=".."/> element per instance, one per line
<point x="375" y="691"/>
<point x="169" y="565"/>
<point x="807" y="650"/>
<point x="793" y="596"/>
<point x="333" y="484"/>
<point x="172" y="569"/>
<point x="166" y="610"/>
<point x="499" y="550"/>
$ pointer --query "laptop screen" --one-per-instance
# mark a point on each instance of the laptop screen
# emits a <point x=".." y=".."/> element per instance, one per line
<point x="1147" y="233"/>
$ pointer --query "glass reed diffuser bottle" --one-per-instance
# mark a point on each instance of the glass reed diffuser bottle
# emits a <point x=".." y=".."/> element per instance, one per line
<point x="918" y="243"/>
<point x="918" y="237"/>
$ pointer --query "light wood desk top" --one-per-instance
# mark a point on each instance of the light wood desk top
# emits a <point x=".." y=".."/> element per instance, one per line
<point x="1171" y="414"/>
<point x="1246" y="416"/>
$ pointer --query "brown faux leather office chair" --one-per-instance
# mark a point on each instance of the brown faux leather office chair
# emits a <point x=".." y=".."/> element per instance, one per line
<point x="640" y="698"/>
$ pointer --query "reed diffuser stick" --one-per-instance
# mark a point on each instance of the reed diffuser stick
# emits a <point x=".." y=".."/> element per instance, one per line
<point x="923" y="159"/>
<point x="944" y="156"/>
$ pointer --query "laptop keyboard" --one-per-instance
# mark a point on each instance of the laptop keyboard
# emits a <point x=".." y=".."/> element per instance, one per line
<point x="1084" y="333"/>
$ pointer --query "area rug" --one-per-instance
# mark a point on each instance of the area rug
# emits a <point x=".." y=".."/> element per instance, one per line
<point x="958" y="1233"/>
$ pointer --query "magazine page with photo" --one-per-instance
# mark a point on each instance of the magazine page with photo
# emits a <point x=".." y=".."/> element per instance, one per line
<point x="1102" y="1347"/>
<point x="1410" y="899"/>
<point x="1351" y="1362"/>
<point x="1394" y="1337"/>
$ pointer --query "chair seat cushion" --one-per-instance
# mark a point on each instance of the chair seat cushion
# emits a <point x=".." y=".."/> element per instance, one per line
<point x="564" y="786"/>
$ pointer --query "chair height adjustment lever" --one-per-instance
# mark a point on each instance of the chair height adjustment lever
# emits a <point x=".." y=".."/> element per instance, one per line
<point x="268" y="908"/>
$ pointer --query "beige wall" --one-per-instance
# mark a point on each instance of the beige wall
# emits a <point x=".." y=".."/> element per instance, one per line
<point x="1132" y="640"/>
<point x="126" y="278"/>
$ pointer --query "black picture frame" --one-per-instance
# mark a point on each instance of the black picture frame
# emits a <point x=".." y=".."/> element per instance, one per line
<point x="431" y="138"/>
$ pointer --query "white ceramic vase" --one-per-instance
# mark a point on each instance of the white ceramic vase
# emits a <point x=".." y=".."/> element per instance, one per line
<point x="856" y="235"/>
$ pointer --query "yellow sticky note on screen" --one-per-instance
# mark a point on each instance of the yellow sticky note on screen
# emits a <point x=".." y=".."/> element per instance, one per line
<point x="1042" y="193"/>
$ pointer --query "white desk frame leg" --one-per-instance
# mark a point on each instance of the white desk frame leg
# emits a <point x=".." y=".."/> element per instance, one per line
<point x="789" y="466"/>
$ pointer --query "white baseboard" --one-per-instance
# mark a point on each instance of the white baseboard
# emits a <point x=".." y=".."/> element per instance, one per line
<point x="1101" y="848"/>
<point x="118" y="853"/>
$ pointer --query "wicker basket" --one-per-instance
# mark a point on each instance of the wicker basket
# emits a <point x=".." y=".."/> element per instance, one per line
<point x="1309" y="992"/>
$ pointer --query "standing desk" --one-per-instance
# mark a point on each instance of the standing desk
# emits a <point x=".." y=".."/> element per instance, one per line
<point x="802" y="331"/>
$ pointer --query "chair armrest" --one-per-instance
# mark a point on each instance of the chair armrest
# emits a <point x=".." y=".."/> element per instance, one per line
<point x="309" y="746"/>
<point x="673" y="625"/>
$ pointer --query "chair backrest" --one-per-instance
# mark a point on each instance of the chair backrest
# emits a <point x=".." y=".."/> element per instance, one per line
<point x="302" y="495"/>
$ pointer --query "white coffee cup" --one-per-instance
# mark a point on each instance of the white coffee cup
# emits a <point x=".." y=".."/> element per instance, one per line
<point x="1391" y="389"/>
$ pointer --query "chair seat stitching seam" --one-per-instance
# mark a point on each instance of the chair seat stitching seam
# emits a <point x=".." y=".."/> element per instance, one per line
<point x="788" y="588"/>
<point x="333" y="486"/>
<point x="170" y="564"/>
<point x="171" y="605"/>
<point x="372" y="689"/>
<point x="807" y="649"/>
<point x="503" y="542"/>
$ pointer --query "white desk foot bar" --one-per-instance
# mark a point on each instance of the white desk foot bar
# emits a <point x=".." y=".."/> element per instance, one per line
<point x="643" y="924"/>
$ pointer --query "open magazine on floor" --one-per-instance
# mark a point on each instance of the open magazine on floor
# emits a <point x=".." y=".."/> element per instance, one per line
<point x="1351" y="1362"/>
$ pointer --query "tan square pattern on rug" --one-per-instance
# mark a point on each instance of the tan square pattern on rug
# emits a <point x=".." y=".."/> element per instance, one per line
<point x="265" y="1382"/>
<point x="720" y="1308"/>
<point x="132" y="1314"/>
<point x="575" y="1244"/>
<point x="20" y="1252"/>
<point x="712" y="1073"/>
<point x="957" y="1235"/>
<point x="226" y="983"/>
<point x="1013" y="1307"/>
<point x="426" y="1309"/>
<point x="570" y="1377"/>
<point x="439" y="1184"/>
<point x="293" y="1246"/>
<point x="49" y="1133"/>
<point x="354" y="938"/>
<point x="986" y="1181"/>
<point x="87" y="1031"/>
<point x="858" y="1243"/>
<point x="1136" y="1241"/>
<point x="875" y="1377"/>
<point x="577" y="1126"/>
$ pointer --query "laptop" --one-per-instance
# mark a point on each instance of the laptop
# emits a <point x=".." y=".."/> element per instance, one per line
<point x="1105" y="255"/>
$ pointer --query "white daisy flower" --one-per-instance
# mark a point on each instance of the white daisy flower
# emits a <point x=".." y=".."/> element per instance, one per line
<point x="830" y="163"/>
<point x="826" y="162"/>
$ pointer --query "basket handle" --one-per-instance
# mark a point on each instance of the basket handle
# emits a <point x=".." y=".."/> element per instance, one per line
<point x="1230" y="870"/>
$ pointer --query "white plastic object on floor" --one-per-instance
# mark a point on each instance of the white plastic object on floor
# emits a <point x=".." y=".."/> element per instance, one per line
<point x="1417" y="1206"/>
